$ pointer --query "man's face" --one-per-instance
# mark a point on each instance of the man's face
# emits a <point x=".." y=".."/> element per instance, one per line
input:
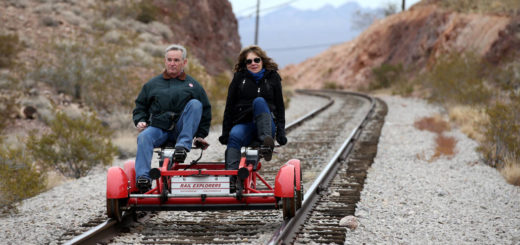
<point x="174" y="63"/>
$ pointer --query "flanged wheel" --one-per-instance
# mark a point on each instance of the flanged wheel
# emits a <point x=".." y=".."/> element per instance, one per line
<point x="289" y="207"/>
<point x="113" y="209"/>
<point x="299" y="194"/>
<point x="289" y="204"/>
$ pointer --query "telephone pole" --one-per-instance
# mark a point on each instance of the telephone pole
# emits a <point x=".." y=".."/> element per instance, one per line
<point x="257" y="20"/>
<point x="403" y="7"/>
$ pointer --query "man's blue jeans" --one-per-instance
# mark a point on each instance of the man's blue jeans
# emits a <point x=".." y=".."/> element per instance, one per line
<point x="244" y="133"/>
<point x="152" y="137"/>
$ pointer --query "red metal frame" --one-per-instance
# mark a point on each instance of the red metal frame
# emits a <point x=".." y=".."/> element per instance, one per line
<point x="121" y="185"/>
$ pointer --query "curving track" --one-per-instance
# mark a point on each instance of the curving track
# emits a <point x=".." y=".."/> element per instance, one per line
<point x="314" y="142"/>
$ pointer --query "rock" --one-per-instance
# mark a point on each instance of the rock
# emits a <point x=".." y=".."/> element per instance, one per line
<point x="410" y="38"/>
<point x="28" y="112"/>
<point x="350" y="222"/>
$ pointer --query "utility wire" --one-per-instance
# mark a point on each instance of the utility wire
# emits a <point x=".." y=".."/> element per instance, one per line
<point x="250" y="13"/>
<point x="303" y="47"/>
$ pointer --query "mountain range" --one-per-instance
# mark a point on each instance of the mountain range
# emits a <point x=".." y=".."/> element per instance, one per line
<point x="290" y="35"/>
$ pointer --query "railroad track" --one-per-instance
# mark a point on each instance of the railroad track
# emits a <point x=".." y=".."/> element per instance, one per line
<point x="316" y="139"/>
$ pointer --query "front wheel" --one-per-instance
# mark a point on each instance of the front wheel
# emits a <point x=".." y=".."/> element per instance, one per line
<point x="290" y="204"/>
<point x="114" y="209"/>
<point x="289" y="207"/>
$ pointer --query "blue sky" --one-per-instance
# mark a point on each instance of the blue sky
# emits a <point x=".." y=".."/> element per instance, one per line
<point x="244" y="7"/>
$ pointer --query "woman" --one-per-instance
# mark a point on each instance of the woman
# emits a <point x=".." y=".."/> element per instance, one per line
<point x="254" y="107"/>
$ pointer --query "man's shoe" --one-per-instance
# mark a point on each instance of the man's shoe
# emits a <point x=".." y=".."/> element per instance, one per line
<point x="143" y="184"/>
<point x="180" y="154"/>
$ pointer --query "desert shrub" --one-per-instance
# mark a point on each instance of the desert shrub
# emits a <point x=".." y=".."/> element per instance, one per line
<point x="73" y="146"/>
<point x="144" y="11"/>
<point x="10" y="46"/>
<point x="385" y="75"/>
<point x="102" y="75"/>
<point x="502" y="132"/>
<point x="19" y="177"/>
<point x="458" y="79"/>
<point x="147" y="12"/>
<point x="507" y="76"/>
<point x="482" y="6"/>
<point x="330" y="85"/>
<point x="217" y="93"/>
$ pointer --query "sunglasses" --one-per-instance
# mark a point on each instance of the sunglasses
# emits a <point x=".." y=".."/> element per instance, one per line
<point x="256" y="60"/>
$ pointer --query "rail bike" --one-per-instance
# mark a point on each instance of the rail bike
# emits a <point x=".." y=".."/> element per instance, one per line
<point x="205" y="185"/>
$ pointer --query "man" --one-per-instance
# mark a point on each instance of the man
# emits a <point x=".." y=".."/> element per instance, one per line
<point x="170" y="107"/>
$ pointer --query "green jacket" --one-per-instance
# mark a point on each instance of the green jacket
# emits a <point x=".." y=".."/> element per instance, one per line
<point x="162" y="94"/>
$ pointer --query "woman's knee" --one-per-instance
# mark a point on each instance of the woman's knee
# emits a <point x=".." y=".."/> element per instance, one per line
<point x="259" y="101"/>
<point x="260" y="105"/>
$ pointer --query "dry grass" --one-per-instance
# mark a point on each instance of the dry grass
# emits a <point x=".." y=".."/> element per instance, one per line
<point x="126" y="143"/>
<point x="511" y="171"/>
<point x="445" y="145"/>
<point x="482" y="6"/>
<point x="433" y="124"/>
<point x="469" y="119"/>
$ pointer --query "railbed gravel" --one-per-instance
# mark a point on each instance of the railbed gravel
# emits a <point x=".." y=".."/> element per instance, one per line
<point x="407" y="199"/>
<point x="411" y="198"/>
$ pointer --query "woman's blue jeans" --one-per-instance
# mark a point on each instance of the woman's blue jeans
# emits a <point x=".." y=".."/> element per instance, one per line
<point x="244" y="133"/>
<point x="152" y="137"/>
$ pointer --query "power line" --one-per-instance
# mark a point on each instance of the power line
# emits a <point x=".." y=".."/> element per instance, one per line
<point x="303" y="47"/>
<point x="250" y="13"/>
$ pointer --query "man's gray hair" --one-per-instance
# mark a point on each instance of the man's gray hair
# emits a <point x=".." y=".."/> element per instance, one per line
<point x="176" y="47"/>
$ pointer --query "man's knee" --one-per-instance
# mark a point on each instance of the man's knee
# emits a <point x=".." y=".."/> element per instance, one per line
<point x="143" y="138"/>
<point x="147" y="136"/>
<point x="194" y="104"/>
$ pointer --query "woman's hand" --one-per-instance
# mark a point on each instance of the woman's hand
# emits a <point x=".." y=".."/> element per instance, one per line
<point x="223" y="139"/>
<point x="280" y="136"/>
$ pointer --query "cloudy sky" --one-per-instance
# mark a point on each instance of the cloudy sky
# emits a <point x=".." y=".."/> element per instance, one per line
<point x="248" y="7"/>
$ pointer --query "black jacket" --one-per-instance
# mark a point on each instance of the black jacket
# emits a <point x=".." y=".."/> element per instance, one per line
<point x="243" y="90"/>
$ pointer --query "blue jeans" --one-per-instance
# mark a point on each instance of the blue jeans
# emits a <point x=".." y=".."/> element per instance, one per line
<point x="244" y="133"/>
<point x="152" y="137"/>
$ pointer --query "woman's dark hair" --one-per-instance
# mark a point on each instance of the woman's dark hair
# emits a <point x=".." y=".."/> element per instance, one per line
<point x="268" y="63"/>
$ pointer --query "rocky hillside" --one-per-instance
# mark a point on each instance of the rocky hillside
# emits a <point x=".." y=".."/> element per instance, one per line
<point x="207" y="27"/>
<point x="413" y="38"/>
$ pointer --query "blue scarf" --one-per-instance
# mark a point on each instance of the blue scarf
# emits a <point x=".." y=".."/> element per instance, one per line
<point x="259" y="75"/>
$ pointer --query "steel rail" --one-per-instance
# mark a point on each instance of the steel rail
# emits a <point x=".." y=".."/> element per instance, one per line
<point x="102" y="230"/>
<point x="92" y="236"/>
<point x="286" y="233"/>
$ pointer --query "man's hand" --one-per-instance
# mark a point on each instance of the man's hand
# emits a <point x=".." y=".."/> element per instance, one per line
<point x="201" y="143"/>
<point x="141" y="126"/>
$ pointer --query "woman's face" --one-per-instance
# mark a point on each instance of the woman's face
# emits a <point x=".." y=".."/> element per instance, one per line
<point x="253" y="62"/>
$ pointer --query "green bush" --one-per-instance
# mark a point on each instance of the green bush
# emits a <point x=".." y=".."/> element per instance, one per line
<point x="330" y="85"/>
<point x="73" y="146"/>
<point x="502" y="132"/>
<point x="385" y="75"/>
<point x="457" y="78"/>
<point x="145" y="10"/>
<point x="19" y="177"/>
<point x="9" y="47"/>
<point x="104" y="76"/>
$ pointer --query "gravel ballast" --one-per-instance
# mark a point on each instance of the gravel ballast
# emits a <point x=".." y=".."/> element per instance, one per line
<point x="407" y="199"/>
<point x="411" y="198"/>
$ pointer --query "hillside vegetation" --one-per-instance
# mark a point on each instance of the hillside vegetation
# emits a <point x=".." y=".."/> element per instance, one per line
<point x="71" y="70"/>
<point x="481" y="93"/>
